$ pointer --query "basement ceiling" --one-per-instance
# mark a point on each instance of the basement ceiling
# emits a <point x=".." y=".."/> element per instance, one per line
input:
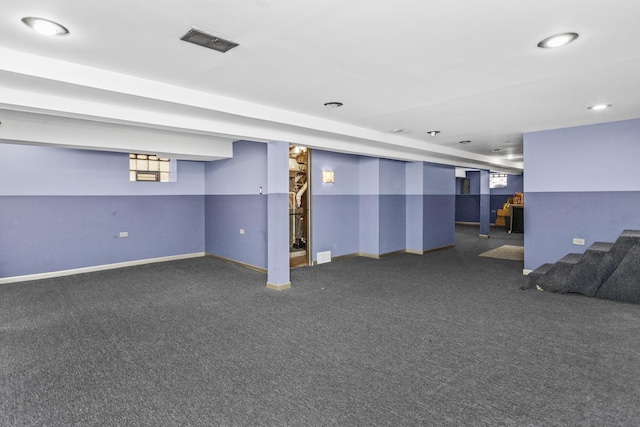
<point x="471" y="70"/>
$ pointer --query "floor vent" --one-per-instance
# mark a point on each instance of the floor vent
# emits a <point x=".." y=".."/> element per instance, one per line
<point x="199" y="37"/>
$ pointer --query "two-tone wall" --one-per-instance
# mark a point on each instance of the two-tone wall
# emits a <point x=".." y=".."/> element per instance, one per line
<point x="63" y="209"/>
<point x="582" y="182"/>
<point x="468" y="205"/>
<point x="336" y="221"/>
<point x="234" y="204"/>
<point x="439" y="206"/>
<point x="378" y="206"/>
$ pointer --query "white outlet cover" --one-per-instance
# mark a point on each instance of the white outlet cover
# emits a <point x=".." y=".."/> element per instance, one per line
<point x="323" y="257"/>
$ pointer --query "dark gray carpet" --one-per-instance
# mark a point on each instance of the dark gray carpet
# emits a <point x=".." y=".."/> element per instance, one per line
<point x="444" y="339"/>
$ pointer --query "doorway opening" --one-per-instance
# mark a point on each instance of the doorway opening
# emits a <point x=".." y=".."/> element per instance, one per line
<point x="299" y="206"/>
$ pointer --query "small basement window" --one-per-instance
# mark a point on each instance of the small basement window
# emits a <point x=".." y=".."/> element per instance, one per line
<point x="149" y="167"/>
<point x="497" y="180"/>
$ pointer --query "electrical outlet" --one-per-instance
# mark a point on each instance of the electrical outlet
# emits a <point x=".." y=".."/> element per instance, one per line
<point x="123" y="234"/>
<point x="577" y="241"/>
<point x="242" y="231"/>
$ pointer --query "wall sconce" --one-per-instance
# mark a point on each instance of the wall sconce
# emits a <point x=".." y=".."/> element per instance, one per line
<point x="327" y="177"/>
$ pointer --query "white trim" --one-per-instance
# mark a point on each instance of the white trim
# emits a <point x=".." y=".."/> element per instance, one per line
<point x="526" y="272"/>
<point x="61" y="273"/>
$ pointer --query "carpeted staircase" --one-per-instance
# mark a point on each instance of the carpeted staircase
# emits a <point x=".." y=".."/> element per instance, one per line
<point x="605" y="270"/>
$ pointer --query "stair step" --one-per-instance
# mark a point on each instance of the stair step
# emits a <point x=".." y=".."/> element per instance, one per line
<point x="600" y="247"/>
<point x="605" y="270"/>
<point x="572" y="259"/>
<point x="543" y="269"/>
<point x="555" y="280"/>
<point x="631" y="234"/>
<point x="583" y="277"/>
<point x="624" y="283"/>
<point x="534" y="275"/>
<point x="623" y="244"/>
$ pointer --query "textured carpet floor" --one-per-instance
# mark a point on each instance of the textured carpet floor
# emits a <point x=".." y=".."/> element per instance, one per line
<point x="444" y="339"/>
<point x="514" y="253"/>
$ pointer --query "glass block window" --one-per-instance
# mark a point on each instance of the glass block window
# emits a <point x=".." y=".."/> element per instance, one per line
<point x="149" y="167"/>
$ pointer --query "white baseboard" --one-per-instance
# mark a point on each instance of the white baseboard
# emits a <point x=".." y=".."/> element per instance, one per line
<point x="61" y="273"/>
<point x="526" y="272"/>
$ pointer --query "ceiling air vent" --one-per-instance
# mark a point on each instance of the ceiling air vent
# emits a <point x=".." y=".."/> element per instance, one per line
<point x="199" y="37"/>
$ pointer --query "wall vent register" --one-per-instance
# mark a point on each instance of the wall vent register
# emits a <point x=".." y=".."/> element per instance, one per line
<point x="149" y="167"/>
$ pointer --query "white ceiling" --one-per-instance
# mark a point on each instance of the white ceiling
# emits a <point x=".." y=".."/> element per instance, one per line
<point x="467" y="68"/>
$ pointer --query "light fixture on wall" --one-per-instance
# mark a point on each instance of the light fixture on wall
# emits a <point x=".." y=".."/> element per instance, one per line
<point x="327" y="177"/>
<point x="45" y="27"/>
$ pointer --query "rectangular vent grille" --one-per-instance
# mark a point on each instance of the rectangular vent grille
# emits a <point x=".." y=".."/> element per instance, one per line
<point x="199" y="37"/>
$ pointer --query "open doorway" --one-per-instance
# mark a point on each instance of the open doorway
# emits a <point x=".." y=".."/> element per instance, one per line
<point x="299" y="186"/>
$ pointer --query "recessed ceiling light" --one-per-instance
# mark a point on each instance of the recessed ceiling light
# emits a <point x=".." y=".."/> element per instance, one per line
<point x="497" y="150"/>
<point x="399" y="130"/>
<point x="433" y="132"/>
<point x="45" y="27"/>
<point x="558" y="40"/>
<point x="333" y="104"/>
<point x="466" y="141"/>
<point x="599" y="107"/>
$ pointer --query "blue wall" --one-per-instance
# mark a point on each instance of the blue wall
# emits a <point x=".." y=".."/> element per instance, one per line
<point x="62" y="209"/>
<point x="581" y="182"/>
<point x="376" y="206"/>
<point x="233" y="202"/>
<point x="439" y="205"/>
<point x="468" y="205"/>
<point x="335" y="207"/>
<point x="393" y="206"/>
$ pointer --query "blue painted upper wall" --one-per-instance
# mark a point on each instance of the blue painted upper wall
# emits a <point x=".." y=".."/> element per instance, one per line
<point x="392" y="177"/>
<point x="345" y="168"/>
<point x="602" y="157"/>
<point x="439" y="179"/>
<point x="582" y="182"/>
<point x="369" y="170"/>
<point x="37" y="170"/>
<point x="245" y="173"/>
<point x="63" y="209"/>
